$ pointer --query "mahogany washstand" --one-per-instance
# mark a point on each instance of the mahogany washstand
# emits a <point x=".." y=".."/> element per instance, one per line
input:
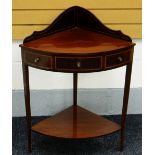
<point x="76" y="42"/>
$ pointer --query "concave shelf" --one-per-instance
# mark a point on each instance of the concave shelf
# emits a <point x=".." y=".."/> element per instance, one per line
<point x="75" y="122"/>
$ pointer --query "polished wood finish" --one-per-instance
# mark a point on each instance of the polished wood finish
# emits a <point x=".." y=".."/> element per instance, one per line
<point x="71" y="41"/>
<point x="75" y="85"/>
<point x="125" y="103"/>
<point x="79" y="124"/>
<point x="77" y="42"/>
<point x="78" y="63"/>
<point x="37" y="60"/>
<point x="21" y="31"/>
<point x="76" y="17"/>
<point x="121" y="58"/>
<point x="27" y="101"/>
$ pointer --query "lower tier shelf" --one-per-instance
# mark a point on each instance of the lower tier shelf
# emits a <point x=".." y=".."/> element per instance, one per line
<point x="75" y="122"/>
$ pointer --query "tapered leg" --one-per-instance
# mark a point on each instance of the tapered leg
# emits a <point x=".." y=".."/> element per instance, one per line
<point x="27" y="103"/>
<point x="75" y="76"/>
<point x="125" y="103"/>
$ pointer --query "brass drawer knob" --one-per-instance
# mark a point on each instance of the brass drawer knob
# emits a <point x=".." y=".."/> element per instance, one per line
<point x="36" y="60"/>
<point x="78" y="64"/>
<point x="120" y="59"/>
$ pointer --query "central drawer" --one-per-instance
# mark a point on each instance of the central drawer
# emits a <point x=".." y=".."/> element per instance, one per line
<point x="78" y="63"/>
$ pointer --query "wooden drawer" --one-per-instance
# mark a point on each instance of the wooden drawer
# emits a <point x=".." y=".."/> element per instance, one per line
<point x="118" y="59"/>
<point x="37" y="60"/>
<point x="78" y="63"/>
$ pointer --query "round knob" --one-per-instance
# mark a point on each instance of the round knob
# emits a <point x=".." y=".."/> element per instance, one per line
<point x="36" y="60"/>
<point x="78" y="64"/>
<point x="120" y="59"/>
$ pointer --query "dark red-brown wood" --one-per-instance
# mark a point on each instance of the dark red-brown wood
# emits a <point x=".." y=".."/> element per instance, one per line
<point x="77" y="17"/>
<point x="27" y="101"/>
<point x="125" y="103"/>
<point x="79" y="124"/>
<point x="75" y="83"/>
<point x="76" y="42"/>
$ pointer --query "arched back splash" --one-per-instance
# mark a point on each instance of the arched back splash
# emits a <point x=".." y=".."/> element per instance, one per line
<point x="77" y="17"/>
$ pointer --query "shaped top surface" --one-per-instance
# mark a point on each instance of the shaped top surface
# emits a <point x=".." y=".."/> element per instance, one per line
<point x="77" y="41"/>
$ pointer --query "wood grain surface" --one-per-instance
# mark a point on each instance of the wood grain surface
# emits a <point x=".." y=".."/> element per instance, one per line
<point x="76" y="122"/>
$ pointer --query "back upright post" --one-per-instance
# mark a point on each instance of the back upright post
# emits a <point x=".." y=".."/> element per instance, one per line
<point x="75" y="80"/>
